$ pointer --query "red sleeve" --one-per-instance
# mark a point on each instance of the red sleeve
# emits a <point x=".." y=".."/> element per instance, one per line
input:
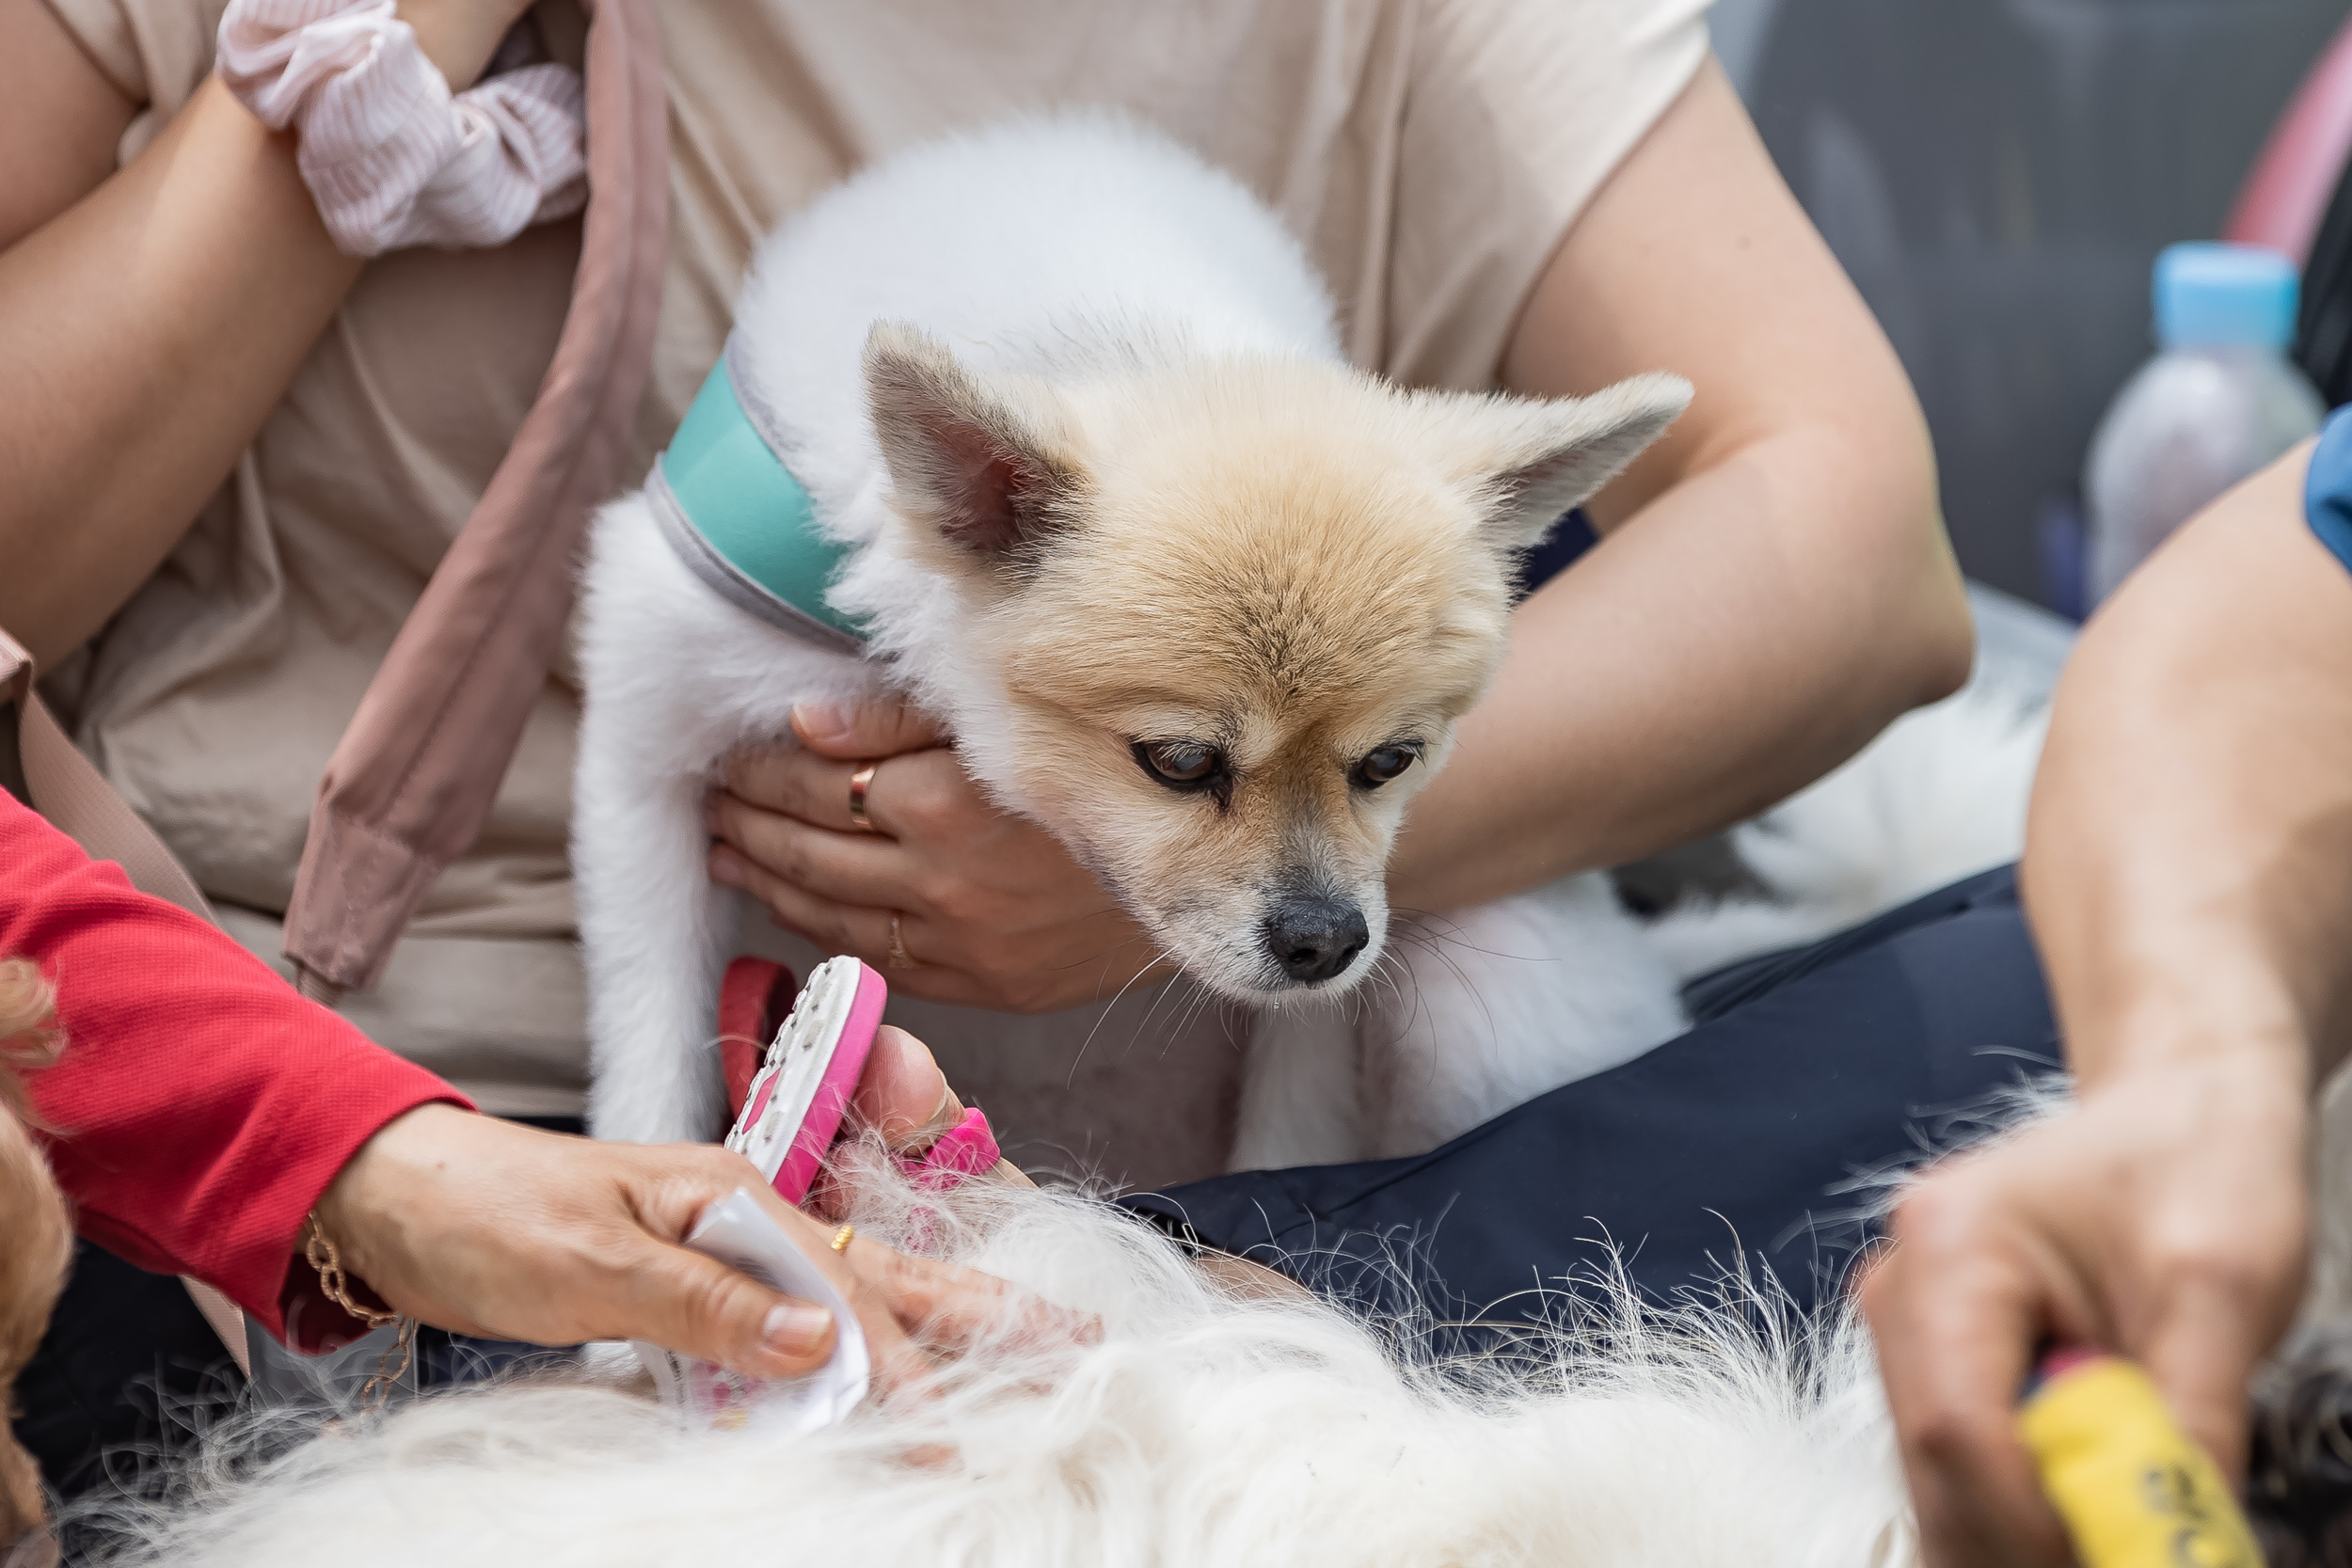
<point x="202" y="1105"/>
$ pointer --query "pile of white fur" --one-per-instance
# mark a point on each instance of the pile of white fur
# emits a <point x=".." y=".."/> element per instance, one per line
<point x="1201" y="1430"/>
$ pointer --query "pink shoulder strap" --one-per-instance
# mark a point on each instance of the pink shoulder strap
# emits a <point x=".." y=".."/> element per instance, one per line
<point x="408" y="788"/>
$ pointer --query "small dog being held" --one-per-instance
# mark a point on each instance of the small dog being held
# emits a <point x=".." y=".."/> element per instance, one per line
<point x="35" y="1233"/>
<point x="1092" y="482"/>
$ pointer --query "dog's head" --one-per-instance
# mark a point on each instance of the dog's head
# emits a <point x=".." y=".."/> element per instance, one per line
<point x="1230" y="612"/>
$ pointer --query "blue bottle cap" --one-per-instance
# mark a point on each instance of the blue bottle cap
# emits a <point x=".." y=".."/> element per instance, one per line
<point x="2210" y="293"/>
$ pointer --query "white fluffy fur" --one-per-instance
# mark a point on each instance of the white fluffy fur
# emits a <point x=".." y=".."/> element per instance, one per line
<point x="1939" y="796"/>
<point x="1202" y="1431"/>
<point x="1080" y="241"/>
<point x="1065" y="237"/>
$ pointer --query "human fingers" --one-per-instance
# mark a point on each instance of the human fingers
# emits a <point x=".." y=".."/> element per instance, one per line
<point x="2223" y="1288"/>
<point x="845" y="867"/>
<point x="940" y="1303"/>
<point x="908" y="1304"/>
<point x="679" y="1184"/>
<point x="808" y="786"/>
<point x="881" y="727"/>
<point x="699" y="1307"/>
<point x="903" y="1094"/>
<point x="854" y="929"/>
<point x="901" y="1078"/>
<point x="1956" y="1320"/>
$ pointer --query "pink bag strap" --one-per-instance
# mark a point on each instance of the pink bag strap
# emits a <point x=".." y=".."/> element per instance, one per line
<point x="68" y="790"/>
<point x="408" y="785"/>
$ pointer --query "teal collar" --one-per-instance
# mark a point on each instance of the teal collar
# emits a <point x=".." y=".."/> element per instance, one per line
<point x="739" y="520"/>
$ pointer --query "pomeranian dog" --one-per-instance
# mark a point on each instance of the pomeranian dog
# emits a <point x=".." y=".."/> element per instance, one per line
<point x="1059" y="414"/>
<point x="1191" y="592"/>
<point x="35" y="1233"/>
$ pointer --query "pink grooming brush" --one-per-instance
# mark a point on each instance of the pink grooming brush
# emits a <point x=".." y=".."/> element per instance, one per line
<point x="793" y="1109"/>
<point x="799" y="1097"/>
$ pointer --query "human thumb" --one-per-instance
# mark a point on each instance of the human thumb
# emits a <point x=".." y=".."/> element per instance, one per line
<point x="880" y="727"/>
<point x="698" y="1307"/>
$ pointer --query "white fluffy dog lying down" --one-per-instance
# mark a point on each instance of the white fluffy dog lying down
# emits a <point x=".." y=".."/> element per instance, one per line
<point x="1201" y="1430"/>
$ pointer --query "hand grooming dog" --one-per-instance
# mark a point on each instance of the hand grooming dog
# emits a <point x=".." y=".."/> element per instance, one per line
<point x="1204" y="1428"/>
<point x="1048" y="427"/>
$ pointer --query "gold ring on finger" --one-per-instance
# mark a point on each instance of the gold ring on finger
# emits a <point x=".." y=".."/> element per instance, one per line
<point x="842" y="1238"/>
<point x="860" y="782"/>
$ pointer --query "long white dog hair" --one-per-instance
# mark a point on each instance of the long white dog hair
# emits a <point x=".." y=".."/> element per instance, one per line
<point x="1201" y="1429"/>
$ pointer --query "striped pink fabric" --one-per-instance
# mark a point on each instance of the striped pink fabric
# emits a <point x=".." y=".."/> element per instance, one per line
<point x="391" y="157"/>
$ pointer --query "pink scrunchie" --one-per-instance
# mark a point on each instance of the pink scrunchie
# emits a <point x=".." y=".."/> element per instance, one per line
<point x="390" y="157"/>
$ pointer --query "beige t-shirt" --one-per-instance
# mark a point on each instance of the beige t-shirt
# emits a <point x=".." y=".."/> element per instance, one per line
<point x="1430" y="153"/>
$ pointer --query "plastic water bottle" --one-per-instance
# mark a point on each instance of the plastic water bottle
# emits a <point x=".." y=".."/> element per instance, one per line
<point x="2219" y="401"/>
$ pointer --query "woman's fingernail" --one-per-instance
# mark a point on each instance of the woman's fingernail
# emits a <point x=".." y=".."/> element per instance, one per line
<point x="821" y="721"/>
<point x="724" y="869"/>
<point x="794" y="1328"/>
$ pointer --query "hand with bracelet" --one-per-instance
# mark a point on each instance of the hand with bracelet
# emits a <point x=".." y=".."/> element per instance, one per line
<point x="491" y="1229"/>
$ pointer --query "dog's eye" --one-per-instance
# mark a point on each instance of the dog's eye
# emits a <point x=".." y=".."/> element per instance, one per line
<point x="1181" y="764"/>
<point x="1380" y="767"/>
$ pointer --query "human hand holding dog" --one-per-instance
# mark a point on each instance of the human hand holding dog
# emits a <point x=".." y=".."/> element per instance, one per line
<point x="483" y="1226"/>
<point x="993" y="911"/>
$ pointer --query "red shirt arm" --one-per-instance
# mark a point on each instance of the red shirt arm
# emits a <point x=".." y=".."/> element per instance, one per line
<point x="201" y="1106"/>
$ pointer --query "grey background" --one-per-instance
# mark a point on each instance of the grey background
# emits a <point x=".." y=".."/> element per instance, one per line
<point x="1997" y="176"/>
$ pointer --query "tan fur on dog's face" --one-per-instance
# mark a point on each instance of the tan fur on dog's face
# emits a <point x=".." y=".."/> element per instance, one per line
<point x="1278" y="565"/>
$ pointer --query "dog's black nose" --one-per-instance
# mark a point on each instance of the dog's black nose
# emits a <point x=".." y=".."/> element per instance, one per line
<point x="1313" y="939"/>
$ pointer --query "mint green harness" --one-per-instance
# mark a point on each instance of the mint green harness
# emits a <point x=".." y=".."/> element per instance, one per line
<point x="739" y="520"/>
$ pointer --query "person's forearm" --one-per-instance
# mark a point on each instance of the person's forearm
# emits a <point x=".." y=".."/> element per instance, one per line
<point x="1774" y="585"/>
<point x="2189" y="861"/>
<point x="147" y="331"/>
<point x="198" y="1106"/>
<point x="1745" y="633"/>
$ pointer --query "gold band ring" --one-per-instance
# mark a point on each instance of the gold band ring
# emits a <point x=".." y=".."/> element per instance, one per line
<point x="841" y="1237"/>
<point x="898" y="956"/>
<point x="860" y="782"/>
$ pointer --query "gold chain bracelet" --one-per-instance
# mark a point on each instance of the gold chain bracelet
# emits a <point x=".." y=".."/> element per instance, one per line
<point x="319" y="1251"/>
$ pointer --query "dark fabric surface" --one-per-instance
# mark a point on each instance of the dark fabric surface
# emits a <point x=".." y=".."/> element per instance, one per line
<point x="1724" y="1148"/>
<point x="1570" y="538"/>
<point x="128" y="1369"/>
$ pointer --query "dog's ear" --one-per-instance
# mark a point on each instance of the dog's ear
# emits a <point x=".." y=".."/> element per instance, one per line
<point x="970" y="462"/>
<point x="1532" y="460"/>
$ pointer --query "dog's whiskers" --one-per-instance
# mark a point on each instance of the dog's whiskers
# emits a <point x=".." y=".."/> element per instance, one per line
<point x="1080" y="1055"/>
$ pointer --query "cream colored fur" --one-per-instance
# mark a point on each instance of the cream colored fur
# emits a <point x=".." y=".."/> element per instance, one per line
<point x="1074" y="404"/>
<point x="35" y="1240"/>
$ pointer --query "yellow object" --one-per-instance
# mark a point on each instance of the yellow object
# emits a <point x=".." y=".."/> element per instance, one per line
<point x="2134" y="1490"/>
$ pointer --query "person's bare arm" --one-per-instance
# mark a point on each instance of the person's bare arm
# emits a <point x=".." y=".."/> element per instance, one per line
<point x="2188" y="873"/>
<point x="148" y="318"/>
<point x="1775" y="585"/>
